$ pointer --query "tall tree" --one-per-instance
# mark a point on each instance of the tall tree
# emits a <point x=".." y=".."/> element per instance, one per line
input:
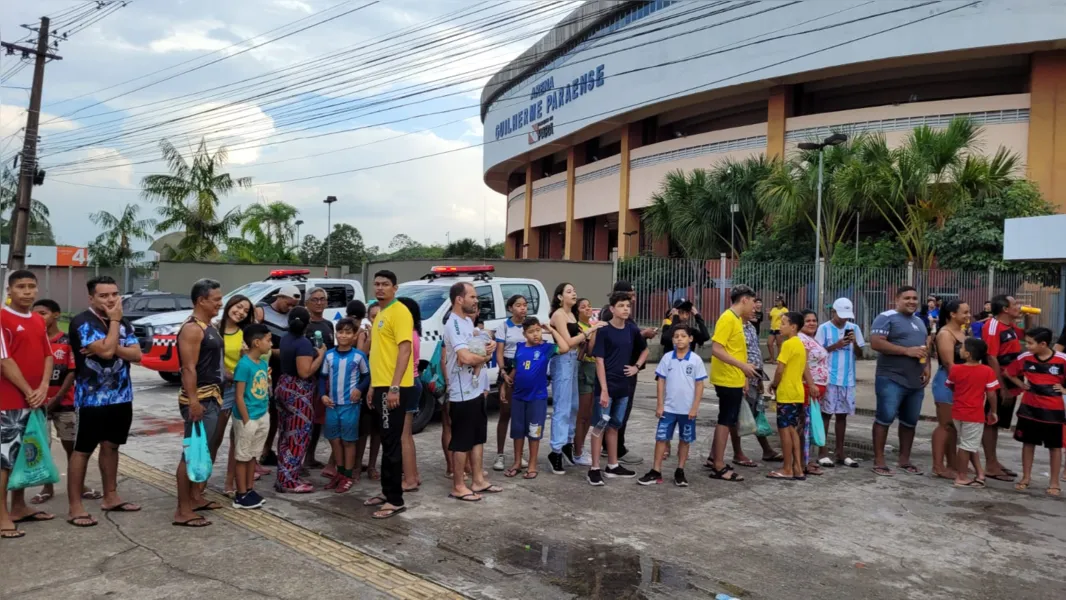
<point x="273" y="222"/>
<point x="190" y="196"/>
<point x="113" y="247"/>
<point x="344" y="246"/>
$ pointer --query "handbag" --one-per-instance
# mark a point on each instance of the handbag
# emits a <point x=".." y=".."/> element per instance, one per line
<point x="197" y="455"/>
<point x="746" y="421"/>
<point x="817" y="427"/>
<point x="33" y="465"/>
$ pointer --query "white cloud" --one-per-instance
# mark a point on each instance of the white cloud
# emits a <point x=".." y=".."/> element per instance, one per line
<point x="192" y="35"/>
<point x="294" y="5"/>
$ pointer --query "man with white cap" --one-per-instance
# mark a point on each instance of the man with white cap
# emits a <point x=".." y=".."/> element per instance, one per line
<point x="275" y="315"/>
<point x="844" y="342"/>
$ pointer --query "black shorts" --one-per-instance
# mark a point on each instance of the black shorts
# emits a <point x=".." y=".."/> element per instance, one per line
<point x="1039" y="433"/>
<point x="775" y="332"/>
<point x="1004" y="409"/>
<point x="729" y="401"/>
<point x="94" y="425"/>
<point x="469" y="424"/>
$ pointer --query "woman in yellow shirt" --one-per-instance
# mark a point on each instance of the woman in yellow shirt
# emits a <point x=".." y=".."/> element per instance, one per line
<point x="787" y="385"/>
<point x="236" y="315"/>
<point x="779" y="310"/>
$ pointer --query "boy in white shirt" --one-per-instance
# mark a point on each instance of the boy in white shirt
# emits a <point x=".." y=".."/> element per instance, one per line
<point x="679" y="378"/>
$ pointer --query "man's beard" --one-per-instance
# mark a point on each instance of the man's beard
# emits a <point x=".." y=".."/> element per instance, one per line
<point x="470" y="310"/>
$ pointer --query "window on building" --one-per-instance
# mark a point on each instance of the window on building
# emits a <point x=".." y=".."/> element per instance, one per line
<point x="545" y="242"/>
<point x="588" y="239"/>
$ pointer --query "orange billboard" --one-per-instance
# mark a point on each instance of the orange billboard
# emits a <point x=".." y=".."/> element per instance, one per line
<point x="71" y="256"/>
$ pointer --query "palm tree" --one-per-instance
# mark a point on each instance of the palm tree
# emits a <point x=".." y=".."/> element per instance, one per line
<point x="272" y="222"/>
<point x="112" y="247"/>
<point x="40" y="227"/>
<point x="190" y="197"/>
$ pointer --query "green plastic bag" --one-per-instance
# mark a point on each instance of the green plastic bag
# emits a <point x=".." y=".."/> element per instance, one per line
<point x="33" y="465"/>
<point x="198" y="462"/>
<point x="762" y="426"/>
<point x="817" y="427"/>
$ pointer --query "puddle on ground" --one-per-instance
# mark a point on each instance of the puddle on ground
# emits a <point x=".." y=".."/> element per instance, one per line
<point x="603" y="571"/>
<point x="149" y="426"/>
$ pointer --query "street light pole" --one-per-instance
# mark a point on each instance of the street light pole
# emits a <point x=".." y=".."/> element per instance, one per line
<point x="329" y="228"/>
<point x="733" y="208"/>
<point x="834" y="140"/>
<point x="298" y="223"/>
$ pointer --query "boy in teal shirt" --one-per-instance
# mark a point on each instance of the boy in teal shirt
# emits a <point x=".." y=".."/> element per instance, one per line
<point x="252" y="379"/>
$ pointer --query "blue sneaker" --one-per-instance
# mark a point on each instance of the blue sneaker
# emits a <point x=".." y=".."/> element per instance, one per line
<point x="247" y="501"/>
<point x="261" y="500"/>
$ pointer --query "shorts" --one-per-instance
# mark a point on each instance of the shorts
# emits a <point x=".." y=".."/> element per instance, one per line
<point x="969" y="435"/>
<point x="586" y="378"/>
<point x="229" y="396"/>
<point x="94" y="425"/>
<point x="342" y="422"/>
<point x="775" y="332"/>
<point x="64" y="423"/>
<point x="12" y="427"/>
<point x="413" y="401"/>
<point x="249" y="438"/>
<point x="729" y="400"/>
<point x="1004" y="409"/>
<point x="469" y="424"/>
<point x="941" y="393"/>
<point x="838" y="400"/>
<point x="528" y="419"/>
<point x="508" y="366"/>
<point x="615" y="412"/>
<point x="1038" y="433"/>
<point x="210" y="417"/>
<point x="896" y="401"/>
<point x="788" y="415"/>
<point x="685" y="425"/>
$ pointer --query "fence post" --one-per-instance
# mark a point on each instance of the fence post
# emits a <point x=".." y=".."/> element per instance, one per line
<point x="125" y="279"/>
<point x="614" y="268"/>
<point x="910" y="272"/>
<point x="70" y="286"/>
<point x="991" y="281"/>
<point x="47" y="281"/>
<point x="721" y="282"/>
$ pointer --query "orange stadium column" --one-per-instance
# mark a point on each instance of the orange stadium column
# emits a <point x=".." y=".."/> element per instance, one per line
<point x="575" y="232"/>
<point x="778" y="109"/>
<point x="531" y="240"/>
<point x="628" y="220"/>
<point x="1047" y="126"/>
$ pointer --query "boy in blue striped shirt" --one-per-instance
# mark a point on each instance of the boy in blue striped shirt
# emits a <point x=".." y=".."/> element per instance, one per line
<point x="844" y="342"/>
<point x="345" y="382"/>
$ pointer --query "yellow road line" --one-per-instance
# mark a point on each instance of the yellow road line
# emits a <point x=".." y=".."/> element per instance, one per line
<point x="391" y="580"/>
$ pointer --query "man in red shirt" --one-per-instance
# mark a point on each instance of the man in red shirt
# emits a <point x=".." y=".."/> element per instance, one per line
<point x="1004" y="340"/>
<point x="25" y="359"/>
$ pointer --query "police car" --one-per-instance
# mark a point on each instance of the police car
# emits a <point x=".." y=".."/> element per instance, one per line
<point x="431" y="294"/>
<point x="158" y="334"/>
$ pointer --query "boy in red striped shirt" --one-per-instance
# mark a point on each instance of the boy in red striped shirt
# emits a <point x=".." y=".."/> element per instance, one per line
<point x="1041" y="372"/>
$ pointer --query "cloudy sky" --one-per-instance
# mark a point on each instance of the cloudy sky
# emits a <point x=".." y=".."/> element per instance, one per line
<point x="306" y="114"/>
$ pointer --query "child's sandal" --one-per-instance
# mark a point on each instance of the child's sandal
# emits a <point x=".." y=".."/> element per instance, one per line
<point x="510" y="472"/>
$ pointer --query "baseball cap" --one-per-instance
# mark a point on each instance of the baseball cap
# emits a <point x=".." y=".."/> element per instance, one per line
<point x="291" y="291"/>
<point x="843" y="308"/>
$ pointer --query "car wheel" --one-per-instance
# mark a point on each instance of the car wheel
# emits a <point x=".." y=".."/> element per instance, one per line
<point x="427" y="407"/>
<point x="170" y="377"/>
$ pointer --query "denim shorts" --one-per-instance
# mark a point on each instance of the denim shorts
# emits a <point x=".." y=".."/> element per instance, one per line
<point x="229" y="396"/>
<point x="664" y="432"/>
<point x="896" y="401"/>
<point x="615" y="411"/>
<point x="941" y="393"/>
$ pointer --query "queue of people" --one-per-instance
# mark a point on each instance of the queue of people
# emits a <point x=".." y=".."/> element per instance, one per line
<point x="281" y="370"/>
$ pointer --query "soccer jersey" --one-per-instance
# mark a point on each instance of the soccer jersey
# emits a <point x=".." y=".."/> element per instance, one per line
<point x="23" y="339"/>
<point x="793" y="359"/>
<point x="775" y="317"/>
<point x="100" y="381"/>
<point x="62" y="364"/>
<point x="531" y="371"/>
<point x="509" y="335"/>
<point x="841" y="360"/>
<point x="343" y="372"/>
<point x="462" y="385"/>
<point x="681" y="374"/>
<point x="1004" y="346"/>
<point x="729" y="332"/>
<point x="1041" y="402"/>
<point x="393" y="326"/>
<point x="969" y="384"/>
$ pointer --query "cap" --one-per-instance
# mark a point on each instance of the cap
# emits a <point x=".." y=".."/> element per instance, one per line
<point x="623" y="286"/>
<point x="843" y="308"/>
<point x="291" y="291"/>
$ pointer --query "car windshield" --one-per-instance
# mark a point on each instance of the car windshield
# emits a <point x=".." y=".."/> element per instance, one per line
<point x="254" y="291"/>
<point x="428" y="297"/>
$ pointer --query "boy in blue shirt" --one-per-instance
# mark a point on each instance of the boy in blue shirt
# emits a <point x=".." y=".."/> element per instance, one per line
<point x="529" y="409"/>
<point x="252" y="379"/>
<point x="680" y="379"/>
<point x="344" y="383"/>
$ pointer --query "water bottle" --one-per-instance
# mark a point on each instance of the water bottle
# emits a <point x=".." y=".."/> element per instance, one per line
<point x="318" y="339"/>
<point x="598" y="428"/>
<point x="723" y="597"/>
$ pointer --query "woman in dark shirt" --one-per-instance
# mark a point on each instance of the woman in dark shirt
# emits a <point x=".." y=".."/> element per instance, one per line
<point x="300" y="362"/>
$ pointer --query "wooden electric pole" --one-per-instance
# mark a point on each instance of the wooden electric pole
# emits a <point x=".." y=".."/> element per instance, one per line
<point x="28" y="170"/>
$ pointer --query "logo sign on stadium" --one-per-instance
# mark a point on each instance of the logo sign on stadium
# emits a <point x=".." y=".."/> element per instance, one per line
<point x="545" y="99"/>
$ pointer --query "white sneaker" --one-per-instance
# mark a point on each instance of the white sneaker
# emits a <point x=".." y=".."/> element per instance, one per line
<point x="583" y="460"/>
<point x="497" y="465"/>
<point x="525" y="464"/>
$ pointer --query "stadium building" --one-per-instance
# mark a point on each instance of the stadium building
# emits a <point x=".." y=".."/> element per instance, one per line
<point x="581" y="128"/>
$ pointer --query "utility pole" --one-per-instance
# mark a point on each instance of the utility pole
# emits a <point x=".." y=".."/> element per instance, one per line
<point x="28" y="171"/>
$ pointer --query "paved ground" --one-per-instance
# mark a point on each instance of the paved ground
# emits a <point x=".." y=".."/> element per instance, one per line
<point x="845" y="535"/>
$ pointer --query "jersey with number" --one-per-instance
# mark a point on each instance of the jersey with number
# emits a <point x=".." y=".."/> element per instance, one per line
<point x="62" y="364"/>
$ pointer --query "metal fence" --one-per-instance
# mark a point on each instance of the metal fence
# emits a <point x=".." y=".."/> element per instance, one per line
<point x="707" y="283"/>
<point x="66" y="285"/>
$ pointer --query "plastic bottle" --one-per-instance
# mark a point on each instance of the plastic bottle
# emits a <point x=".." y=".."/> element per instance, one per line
<point x="598" y="428"/>
<point x="1031" y="310"/>
<point x="318" y="339"/>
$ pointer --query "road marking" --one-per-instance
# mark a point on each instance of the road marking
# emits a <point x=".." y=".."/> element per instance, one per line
<point x="389" y="579"/>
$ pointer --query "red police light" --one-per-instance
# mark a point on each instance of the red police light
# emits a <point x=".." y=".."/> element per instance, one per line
<point x="462" y="270"/>
<point x="289" y="272"/>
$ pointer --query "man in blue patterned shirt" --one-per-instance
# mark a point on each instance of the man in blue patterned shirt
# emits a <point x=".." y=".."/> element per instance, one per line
<point x="104" y="347"/>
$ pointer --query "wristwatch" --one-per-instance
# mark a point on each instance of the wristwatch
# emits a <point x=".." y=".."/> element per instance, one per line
<point x="395" y="389"/>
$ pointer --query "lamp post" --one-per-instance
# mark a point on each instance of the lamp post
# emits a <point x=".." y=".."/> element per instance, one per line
<point x="329" y="227"/>
<point x="733" y="209"/>
<point x="298" y="223"/>
<point x="834" y="140"/>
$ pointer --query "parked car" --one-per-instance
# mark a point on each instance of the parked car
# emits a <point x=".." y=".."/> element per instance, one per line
<point x="431" y="294"/>
<point x="143" y="304"/>
<point x="158" y="333"/>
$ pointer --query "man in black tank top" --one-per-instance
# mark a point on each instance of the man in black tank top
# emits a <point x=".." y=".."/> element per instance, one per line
<point x="200" y="350"/>
<point x="275" y="315"/>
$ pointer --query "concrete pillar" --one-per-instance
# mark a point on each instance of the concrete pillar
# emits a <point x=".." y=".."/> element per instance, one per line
<point x="628" y="220"/>
<point x="531" y="249"/>
<point x="575" y="231"/>
<point x="1047" y="126"/>
<point x="512" y="246"/>
<point x="778" y="110"/>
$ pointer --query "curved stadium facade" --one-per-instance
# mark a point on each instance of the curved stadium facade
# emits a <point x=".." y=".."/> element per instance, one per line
<point x="581" y="129"/>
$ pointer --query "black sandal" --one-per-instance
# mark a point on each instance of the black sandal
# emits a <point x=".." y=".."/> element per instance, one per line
<point x="722" y="475"/>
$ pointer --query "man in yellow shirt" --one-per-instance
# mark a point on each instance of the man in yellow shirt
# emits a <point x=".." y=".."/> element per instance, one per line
<point x="788" y="386"/>
<point x="774" y="339"/>
<point x="729" y="374"/>
<point x="393" y="383"/>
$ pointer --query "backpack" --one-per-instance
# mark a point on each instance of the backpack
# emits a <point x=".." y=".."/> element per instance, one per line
<point x="432" y="375"/>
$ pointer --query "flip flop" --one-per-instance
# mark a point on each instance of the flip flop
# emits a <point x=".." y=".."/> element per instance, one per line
<point x="530" y="475"/>
<point x="466" y="497"/>
<point x="131" y="507"/>
<point x="780" y="476"/>
<point x="41" y="498"/>
<point x="800" y="478"/>
<point x="1054" y="492"/>
<point x="969" y="484"/>
<point x="75" y="521"/>
<point x="202" y="522"/>
<point x="775" y="458"/>
<point x="826" y="463"/>
<point x="1021" y="487"/>
<point x="944" y="476"/>
<point x="810" y="471"/>
<point x="882" y="471"/>
<point x="11" y="534"/>
<point x="375" y="501"/>
<point x="386" y="513"/>
<point x="92" y="495"/>
<point x="34" y="517"/>
<point x="510" y="472"/>
<point x="751" y="464"/>
<point x="411" y="490"/>
<point x="847" y="461"/>
<point x="911" y="469"/>
<point x="492" y="489"/>
<point x="980" y="482"/>
<point x="1005" y="476"/>
<point x="1007" y="471"/>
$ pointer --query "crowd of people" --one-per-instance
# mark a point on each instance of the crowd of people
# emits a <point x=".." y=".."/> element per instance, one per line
<point x="281" y="372"/>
